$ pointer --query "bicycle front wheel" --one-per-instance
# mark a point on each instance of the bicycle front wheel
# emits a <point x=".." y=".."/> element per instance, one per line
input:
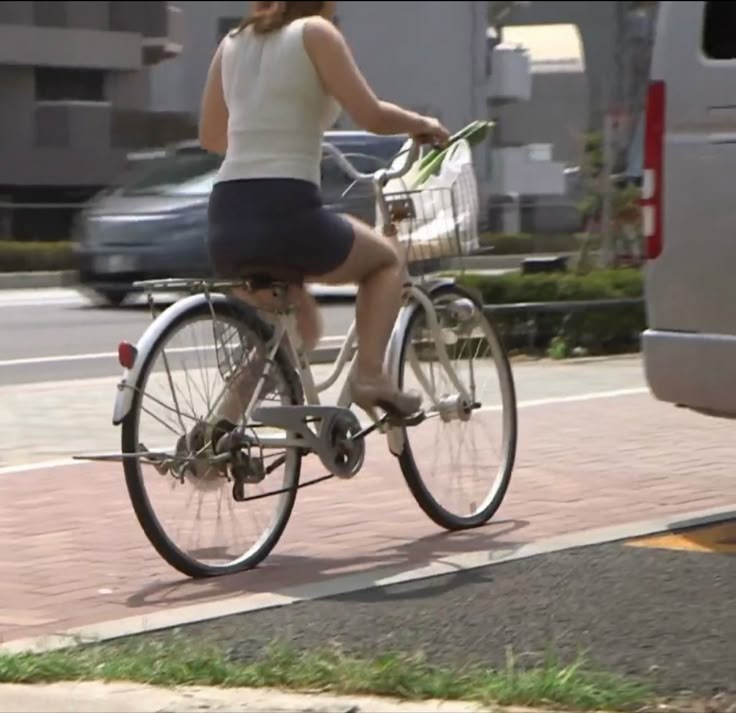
<point x="183" y="497"/>
<point x="458" y="461"/>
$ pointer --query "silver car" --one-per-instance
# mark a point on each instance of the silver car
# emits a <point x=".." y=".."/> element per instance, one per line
<point x="153" y="223"/>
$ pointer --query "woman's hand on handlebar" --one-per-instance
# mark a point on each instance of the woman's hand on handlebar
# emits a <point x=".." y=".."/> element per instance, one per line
<point x="432" y="132"/>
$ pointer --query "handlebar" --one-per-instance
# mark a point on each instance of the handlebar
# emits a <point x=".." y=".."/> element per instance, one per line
<point x="378" y="178"/>
<point x="381" y="176"/>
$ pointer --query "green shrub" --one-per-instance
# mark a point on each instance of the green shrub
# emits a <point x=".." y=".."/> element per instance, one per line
<point x="19" y="256"/>
<point x="596" y="330"/>
<point x="556" y="286"/>
<point x="527" y="243"/>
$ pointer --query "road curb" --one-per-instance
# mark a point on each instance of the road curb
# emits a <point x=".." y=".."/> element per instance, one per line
<point x="123" y="696"/>
<point x="361" y="581"/>
<point x="36" y="280"/>
<point x="67" y="278"/>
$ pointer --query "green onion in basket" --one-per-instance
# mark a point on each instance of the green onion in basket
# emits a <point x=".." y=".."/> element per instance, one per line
<point x="474" y="133"/>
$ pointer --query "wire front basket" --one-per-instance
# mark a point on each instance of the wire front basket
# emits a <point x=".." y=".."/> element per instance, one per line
<point x="437" y="226"/>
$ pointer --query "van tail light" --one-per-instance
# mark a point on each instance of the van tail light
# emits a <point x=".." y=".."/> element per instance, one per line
<point x="653" y="179"/>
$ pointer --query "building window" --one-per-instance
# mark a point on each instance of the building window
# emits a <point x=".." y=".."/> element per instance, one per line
<point x="63" y="84"/>
<point x="225" y="24"/>
<point x="719" y="39"/>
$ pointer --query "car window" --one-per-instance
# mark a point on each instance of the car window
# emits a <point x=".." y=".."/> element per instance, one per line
<point x="366" y="157"/>
<point x="335" y="180"/>
<point x="176" y="173"/>
<point x="719" y="38"/>
<point x="193" y="172"/>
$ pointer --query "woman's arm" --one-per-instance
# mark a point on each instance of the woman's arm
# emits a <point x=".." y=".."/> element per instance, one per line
<point x="213" y="114"/>
<point x="344" y="81"/>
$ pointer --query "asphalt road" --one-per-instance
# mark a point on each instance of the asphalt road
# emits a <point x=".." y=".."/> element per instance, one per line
<point x="662" y="616"/>
<point x="56" y="335"/>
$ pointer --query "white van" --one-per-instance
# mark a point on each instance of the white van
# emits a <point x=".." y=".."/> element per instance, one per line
<point x="689" y="208"/>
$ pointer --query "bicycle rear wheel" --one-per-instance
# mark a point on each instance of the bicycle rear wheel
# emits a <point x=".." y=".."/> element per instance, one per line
<point x="187" y="508"/>
<point x="454" y="471"/>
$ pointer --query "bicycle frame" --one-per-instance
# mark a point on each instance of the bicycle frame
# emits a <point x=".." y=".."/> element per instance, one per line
<point x="287" y="336"/>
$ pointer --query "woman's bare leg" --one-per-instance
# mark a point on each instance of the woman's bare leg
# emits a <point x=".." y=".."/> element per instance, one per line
<point x="308" y="317"/>
<point x="309" y="324"/>
<point x="374" y="265"/>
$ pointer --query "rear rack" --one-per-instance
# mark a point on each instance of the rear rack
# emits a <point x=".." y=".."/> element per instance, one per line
<point x="188" y="284"/>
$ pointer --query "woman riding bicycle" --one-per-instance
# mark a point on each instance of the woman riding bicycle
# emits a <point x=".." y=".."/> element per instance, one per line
<point x="275" y="84"/>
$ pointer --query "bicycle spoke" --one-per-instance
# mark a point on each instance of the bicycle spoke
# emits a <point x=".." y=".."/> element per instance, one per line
<point x="161" y="421"/>
<point x="458" y="478"/>
<point x="173" y="391"/>
<point x="203" y="527"/>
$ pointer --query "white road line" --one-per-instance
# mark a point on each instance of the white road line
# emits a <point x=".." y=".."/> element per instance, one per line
<point x="62" y="297"/>
<point x="42" y="465"/>
<point x="326" y="343"/>
<point x="28" y="361"/>
<point x="36" y="295"/>
<point x="575" y="398"/>
<point x="42" y="303"/>
<point x="531" y="403"/>
<point x="591" y="396"/>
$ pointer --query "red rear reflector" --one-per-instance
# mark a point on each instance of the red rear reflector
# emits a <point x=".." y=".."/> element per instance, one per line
<point x="127" y="354"/>
<point x="653" y="178"/>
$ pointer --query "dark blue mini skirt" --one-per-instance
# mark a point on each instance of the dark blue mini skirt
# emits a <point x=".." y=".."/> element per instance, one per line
<point x="277" y="223"/>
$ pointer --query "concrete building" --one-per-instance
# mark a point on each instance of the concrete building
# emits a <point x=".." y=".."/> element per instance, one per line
<point x="74" y="96"/>
<point x="538" y="139"/>
<point x="587" y="60"/>
<point x="436" y="61"/>
<point x="616" y="39"/>
<point x="598" y="25"/>
<point x="82" y="84"/>
<point x="557" y="111"/>
<point x="432" y="61"/>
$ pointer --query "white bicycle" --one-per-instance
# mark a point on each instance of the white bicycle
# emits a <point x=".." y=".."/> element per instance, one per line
<point x="179" y="450"/>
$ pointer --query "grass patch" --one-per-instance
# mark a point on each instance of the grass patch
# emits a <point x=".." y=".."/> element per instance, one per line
<point x="176" y="662"/>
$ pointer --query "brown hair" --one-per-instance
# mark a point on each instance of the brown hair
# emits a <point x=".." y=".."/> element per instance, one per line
<point x="271" y="16"/>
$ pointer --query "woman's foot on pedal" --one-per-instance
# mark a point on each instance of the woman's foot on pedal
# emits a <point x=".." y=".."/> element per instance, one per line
<point x="378" y="391"/>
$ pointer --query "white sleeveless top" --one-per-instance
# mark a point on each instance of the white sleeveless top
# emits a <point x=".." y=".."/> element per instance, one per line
<point x="278" y="109"/>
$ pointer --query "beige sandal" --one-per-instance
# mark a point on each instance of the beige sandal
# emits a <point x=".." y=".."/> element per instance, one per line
<point x="380" y="392"/>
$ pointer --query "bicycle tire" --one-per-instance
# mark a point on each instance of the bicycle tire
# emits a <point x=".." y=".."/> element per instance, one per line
<point x="157" y="536"/>
<point x="407" y="461"/>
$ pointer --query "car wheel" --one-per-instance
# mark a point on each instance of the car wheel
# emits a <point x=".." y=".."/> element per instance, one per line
<point x="111" y="298"/>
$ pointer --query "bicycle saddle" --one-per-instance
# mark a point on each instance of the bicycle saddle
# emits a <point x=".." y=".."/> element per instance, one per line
<point x="267" y="278"/>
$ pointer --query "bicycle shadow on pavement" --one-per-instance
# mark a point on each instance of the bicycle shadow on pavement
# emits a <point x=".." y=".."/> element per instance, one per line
<point x="282" y="573"/>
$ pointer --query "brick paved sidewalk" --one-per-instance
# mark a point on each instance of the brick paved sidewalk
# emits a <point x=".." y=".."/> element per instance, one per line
<point x="73" y="553"/>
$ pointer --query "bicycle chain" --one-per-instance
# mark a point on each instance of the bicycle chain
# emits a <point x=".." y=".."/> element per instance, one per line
<point x="366" y="431"/>
<point x="280" y="491"/>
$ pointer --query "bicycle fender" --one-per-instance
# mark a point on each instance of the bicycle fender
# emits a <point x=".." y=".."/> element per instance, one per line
<point x="395" y="435"/>
<point x="126" y="386"/>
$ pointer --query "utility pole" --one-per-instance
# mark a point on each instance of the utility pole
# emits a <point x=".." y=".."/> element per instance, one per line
<point x="616" y="108"/>
<point x="606" y="253"/>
